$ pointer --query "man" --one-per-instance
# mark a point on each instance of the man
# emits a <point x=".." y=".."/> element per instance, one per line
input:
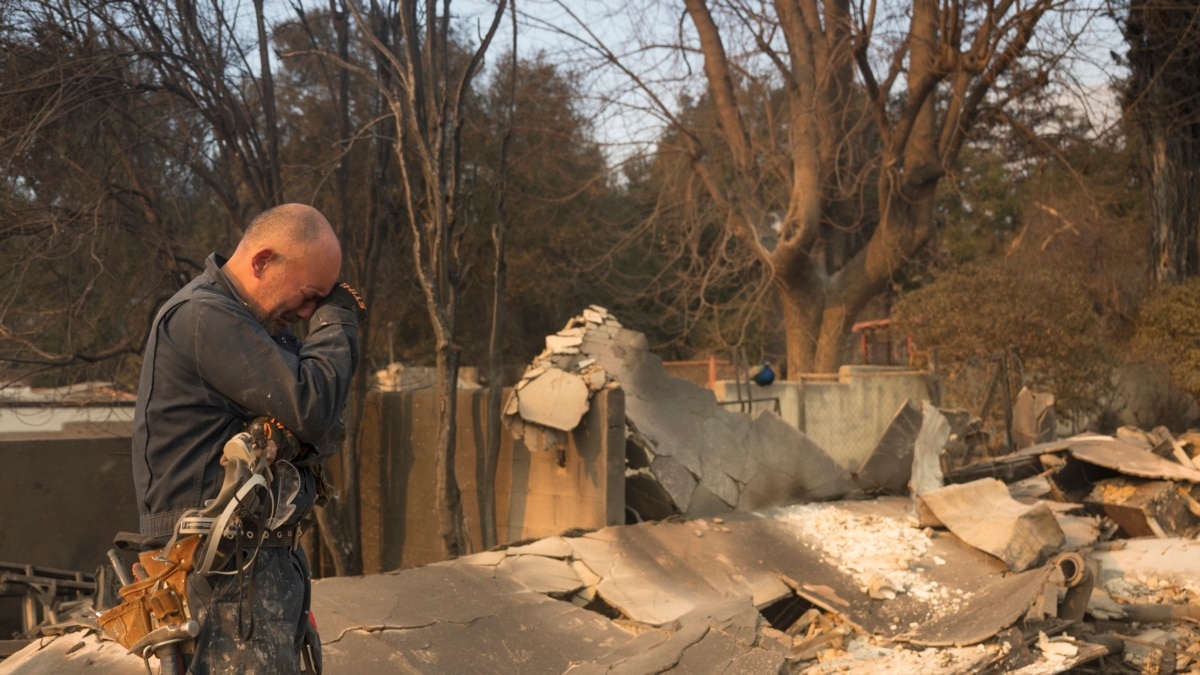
<point x="220" y="354"/>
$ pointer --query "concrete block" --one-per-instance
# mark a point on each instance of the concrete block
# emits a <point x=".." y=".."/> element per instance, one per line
<point x="982" y="514"/>
<point x="536" y="496"/>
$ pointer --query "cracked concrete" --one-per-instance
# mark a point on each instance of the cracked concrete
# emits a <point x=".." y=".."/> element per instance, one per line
<point x="471" y="618"/>
<point x="698" y="596"/>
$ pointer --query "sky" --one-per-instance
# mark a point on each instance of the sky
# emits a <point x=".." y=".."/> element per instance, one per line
<point x="567" y="30"/>
<point x="625" y="118"/>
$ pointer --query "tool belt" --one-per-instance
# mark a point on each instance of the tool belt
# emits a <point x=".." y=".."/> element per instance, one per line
<point x="155" y="612"/>
<point x="155" y="609"/>
<point x="244" y="517"/>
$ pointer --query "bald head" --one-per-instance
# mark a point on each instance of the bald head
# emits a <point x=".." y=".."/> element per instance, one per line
<point x="288" y="259"/>
<point x="297" y="223"/>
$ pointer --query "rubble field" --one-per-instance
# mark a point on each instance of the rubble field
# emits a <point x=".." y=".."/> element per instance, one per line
<point x="1073" y="555"/>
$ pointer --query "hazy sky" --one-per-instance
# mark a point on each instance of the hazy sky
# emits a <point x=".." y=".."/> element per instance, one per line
<point x="567" y="30"/>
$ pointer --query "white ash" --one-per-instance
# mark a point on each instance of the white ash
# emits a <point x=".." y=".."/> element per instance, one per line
<point x="1135" y="589"/>
<point x="876" y="551"/>
<point x="866" y="655"/>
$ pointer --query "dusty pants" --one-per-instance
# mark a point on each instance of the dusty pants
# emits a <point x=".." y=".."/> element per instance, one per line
<point x="272" y="601"/>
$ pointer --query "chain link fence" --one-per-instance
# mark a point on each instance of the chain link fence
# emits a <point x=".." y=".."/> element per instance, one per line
<point x="702" y="373"/>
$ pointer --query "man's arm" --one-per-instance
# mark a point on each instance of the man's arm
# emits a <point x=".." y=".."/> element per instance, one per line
<point x="305" y="390"/>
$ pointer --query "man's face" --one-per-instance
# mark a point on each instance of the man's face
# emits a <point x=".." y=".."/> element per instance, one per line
<point x="290" y="286"/>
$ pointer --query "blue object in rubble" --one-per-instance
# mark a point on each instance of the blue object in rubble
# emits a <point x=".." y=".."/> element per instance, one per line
<point x="762" y="375"/>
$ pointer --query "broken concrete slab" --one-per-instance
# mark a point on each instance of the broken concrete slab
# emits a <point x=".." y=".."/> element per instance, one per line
<point x="781" y="467"/>
<point x="1113" y="454"/>
<point x="652" y="587"/>
<point x="554" y="399"/>
<point x="680" y="484"/>
<point x="927" y="450"/>
<point x="687" y="596"/>
<point x="984" y="515"/>
<point x="723" y="637"/>
<point x="553" y="576"/>
<point x="552" y="547"/>
<point x="76" y="652"/>
<point x="831" y="554"/>
<point x="420" y="619"/>
<point x="888" y="468"/>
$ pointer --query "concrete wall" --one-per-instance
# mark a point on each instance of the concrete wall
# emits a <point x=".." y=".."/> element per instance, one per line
<point x="535" y="496"/>
<point x="847" y="417"/>
<point x="846" y="414"/>
<point x="62" y="498"/>
<point x="66" y="493"/>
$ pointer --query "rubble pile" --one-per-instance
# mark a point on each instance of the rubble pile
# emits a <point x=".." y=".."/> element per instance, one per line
<point x="862" y="586"/>
<point x="1076" y="555"/>
<point x="1049" y="559"/>
<point x="552" y="395"/>
<point x="1030" y="574"/>
<point x="685" y="454"/>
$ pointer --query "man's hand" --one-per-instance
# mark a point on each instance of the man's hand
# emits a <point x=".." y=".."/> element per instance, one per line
<point x="272" y="439"/>
<point x="346" y="297"/>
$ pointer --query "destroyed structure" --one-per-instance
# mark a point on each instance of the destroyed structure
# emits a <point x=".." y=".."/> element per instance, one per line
<point x="684" y="454"/>
<point x="1068" y="555"/>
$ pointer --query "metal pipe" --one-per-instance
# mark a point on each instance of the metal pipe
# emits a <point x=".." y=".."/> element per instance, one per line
<point x="119" y="567"/>
<point x="1072" y="567"/>
<point x="1078" y="580"/>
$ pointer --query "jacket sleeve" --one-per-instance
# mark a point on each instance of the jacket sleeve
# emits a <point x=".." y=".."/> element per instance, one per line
<point x="305" y="389"/>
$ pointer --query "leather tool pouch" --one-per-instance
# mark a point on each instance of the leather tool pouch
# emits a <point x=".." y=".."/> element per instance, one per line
<point x="158" y="600"/>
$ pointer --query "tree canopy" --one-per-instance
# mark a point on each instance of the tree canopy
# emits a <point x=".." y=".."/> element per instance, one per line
<point x="811" y="164"/>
